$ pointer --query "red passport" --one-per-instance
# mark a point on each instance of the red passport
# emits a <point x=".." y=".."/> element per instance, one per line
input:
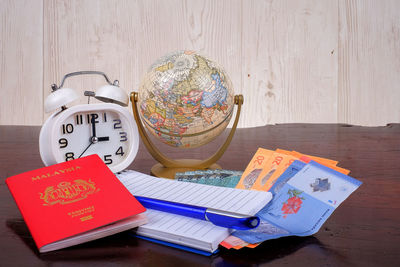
<point x="74" y="202"/>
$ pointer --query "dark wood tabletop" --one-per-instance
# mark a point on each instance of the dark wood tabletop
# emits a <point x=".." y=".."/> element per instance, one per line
<point x="363" y="231"/>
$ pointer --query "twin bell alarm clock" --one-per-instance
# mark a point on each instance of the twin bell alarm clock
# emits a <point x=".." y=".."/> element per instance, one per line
<point x="106" y="129"/>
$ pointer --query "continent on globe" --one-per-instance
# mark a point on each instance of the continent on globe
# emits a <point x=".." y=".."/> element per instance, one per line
<point x="185" y="99"/>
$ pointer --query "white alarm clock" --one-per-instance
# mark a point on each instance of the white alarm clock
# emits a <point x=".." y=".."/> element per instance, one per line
<point x="105" y="129"/>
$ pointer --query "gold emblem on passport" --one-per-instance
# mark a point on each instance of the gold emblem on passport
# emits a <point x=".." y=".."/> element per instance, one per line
<point x="68" y="192"/>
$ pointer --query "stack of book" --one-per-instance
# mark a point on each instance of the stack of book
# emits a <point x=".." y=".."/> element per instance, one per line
<point x="184" y="232"/>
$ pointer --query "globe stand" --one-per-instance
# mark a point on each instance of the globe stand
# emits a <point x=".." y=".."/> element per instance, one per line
<point x="168" y="167"/>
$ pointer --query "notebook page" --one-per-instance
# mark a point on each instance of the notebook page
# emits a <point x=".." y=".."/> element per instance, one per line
<point x="183" y="230"/>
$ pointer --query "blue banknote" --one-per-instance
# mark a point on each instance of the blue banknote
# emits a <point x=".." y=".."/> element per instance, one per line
<point x="304" y="197"/>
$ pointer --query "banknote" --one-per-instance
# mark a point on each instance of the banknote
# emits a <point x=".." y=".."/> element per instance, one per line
<point x="273" y="168"/>
<point x="233" y="241"/>
<point x="323" y="161"/>
<point x="254" y="168"/>
<point x="204" y="173"/>
<point x="304" y="197"/>
<point x="224" y="178"/>
<point x="307" y="158"/>
<point x="334" y="167"/>
<point x="236" y="243"/>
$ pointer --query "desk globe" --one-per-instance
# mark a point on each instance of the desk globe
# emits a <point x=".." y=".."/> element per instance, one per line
<point x="185" y="100"/>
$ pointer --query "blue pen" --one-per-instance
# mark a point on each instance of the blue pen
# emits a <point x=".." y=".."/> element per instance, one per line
<point x="217" y="217"/>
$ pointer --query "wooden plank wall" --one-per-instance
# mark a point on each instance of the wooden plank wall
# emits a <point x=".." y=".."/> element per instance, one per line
<point x="309" y="61"/>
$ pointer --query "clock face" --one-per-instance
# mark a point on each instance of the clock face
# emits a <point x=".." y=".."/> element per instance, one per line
<point x="107" y="130"/>
<point x="104" y="133"/>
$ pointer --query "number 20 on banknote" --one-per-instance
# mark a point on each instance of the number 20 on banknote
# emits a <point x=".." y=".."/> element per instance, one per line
<point x="254" y="168"/>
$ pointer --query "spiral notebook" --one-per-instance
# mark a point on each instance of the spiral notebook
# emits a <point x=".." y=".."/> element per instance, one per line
<point x="183" y="231"/>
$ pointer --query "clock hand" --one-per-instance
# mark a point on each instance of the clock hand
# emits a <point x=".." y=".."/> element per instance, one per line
<point x="91" y="143"/>
<point x="93" y="139"/>
<point x="93" y="127"/>
<point x="104" y="138"/>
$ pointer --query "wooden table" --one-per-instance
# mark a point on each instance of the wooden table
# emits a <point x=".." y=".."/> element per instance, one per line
<point x="363" y="231"/>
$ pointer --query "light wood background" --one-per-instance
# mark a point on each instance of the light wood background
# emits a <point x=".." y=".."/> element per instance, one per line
<point x="309" y="61"/>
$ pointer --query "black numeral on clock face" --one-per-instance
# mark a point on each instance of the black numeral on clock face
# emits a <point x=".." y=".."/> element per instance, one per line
<point x="92" y="118"/>
<point x="68" y="128"/>
<point x="120" y="151"/>
<point x="69" y="156"/>
<point x="123" y="136"/>
<point x="117" y="124"/>
<point x="108" y="159"/>
<point x="63" y="142"/>
<point x="79" y="119"/>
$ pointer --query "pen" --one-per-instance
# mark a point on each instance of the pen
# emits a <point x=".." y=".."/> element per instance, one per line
<point x="218" y="217"/>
